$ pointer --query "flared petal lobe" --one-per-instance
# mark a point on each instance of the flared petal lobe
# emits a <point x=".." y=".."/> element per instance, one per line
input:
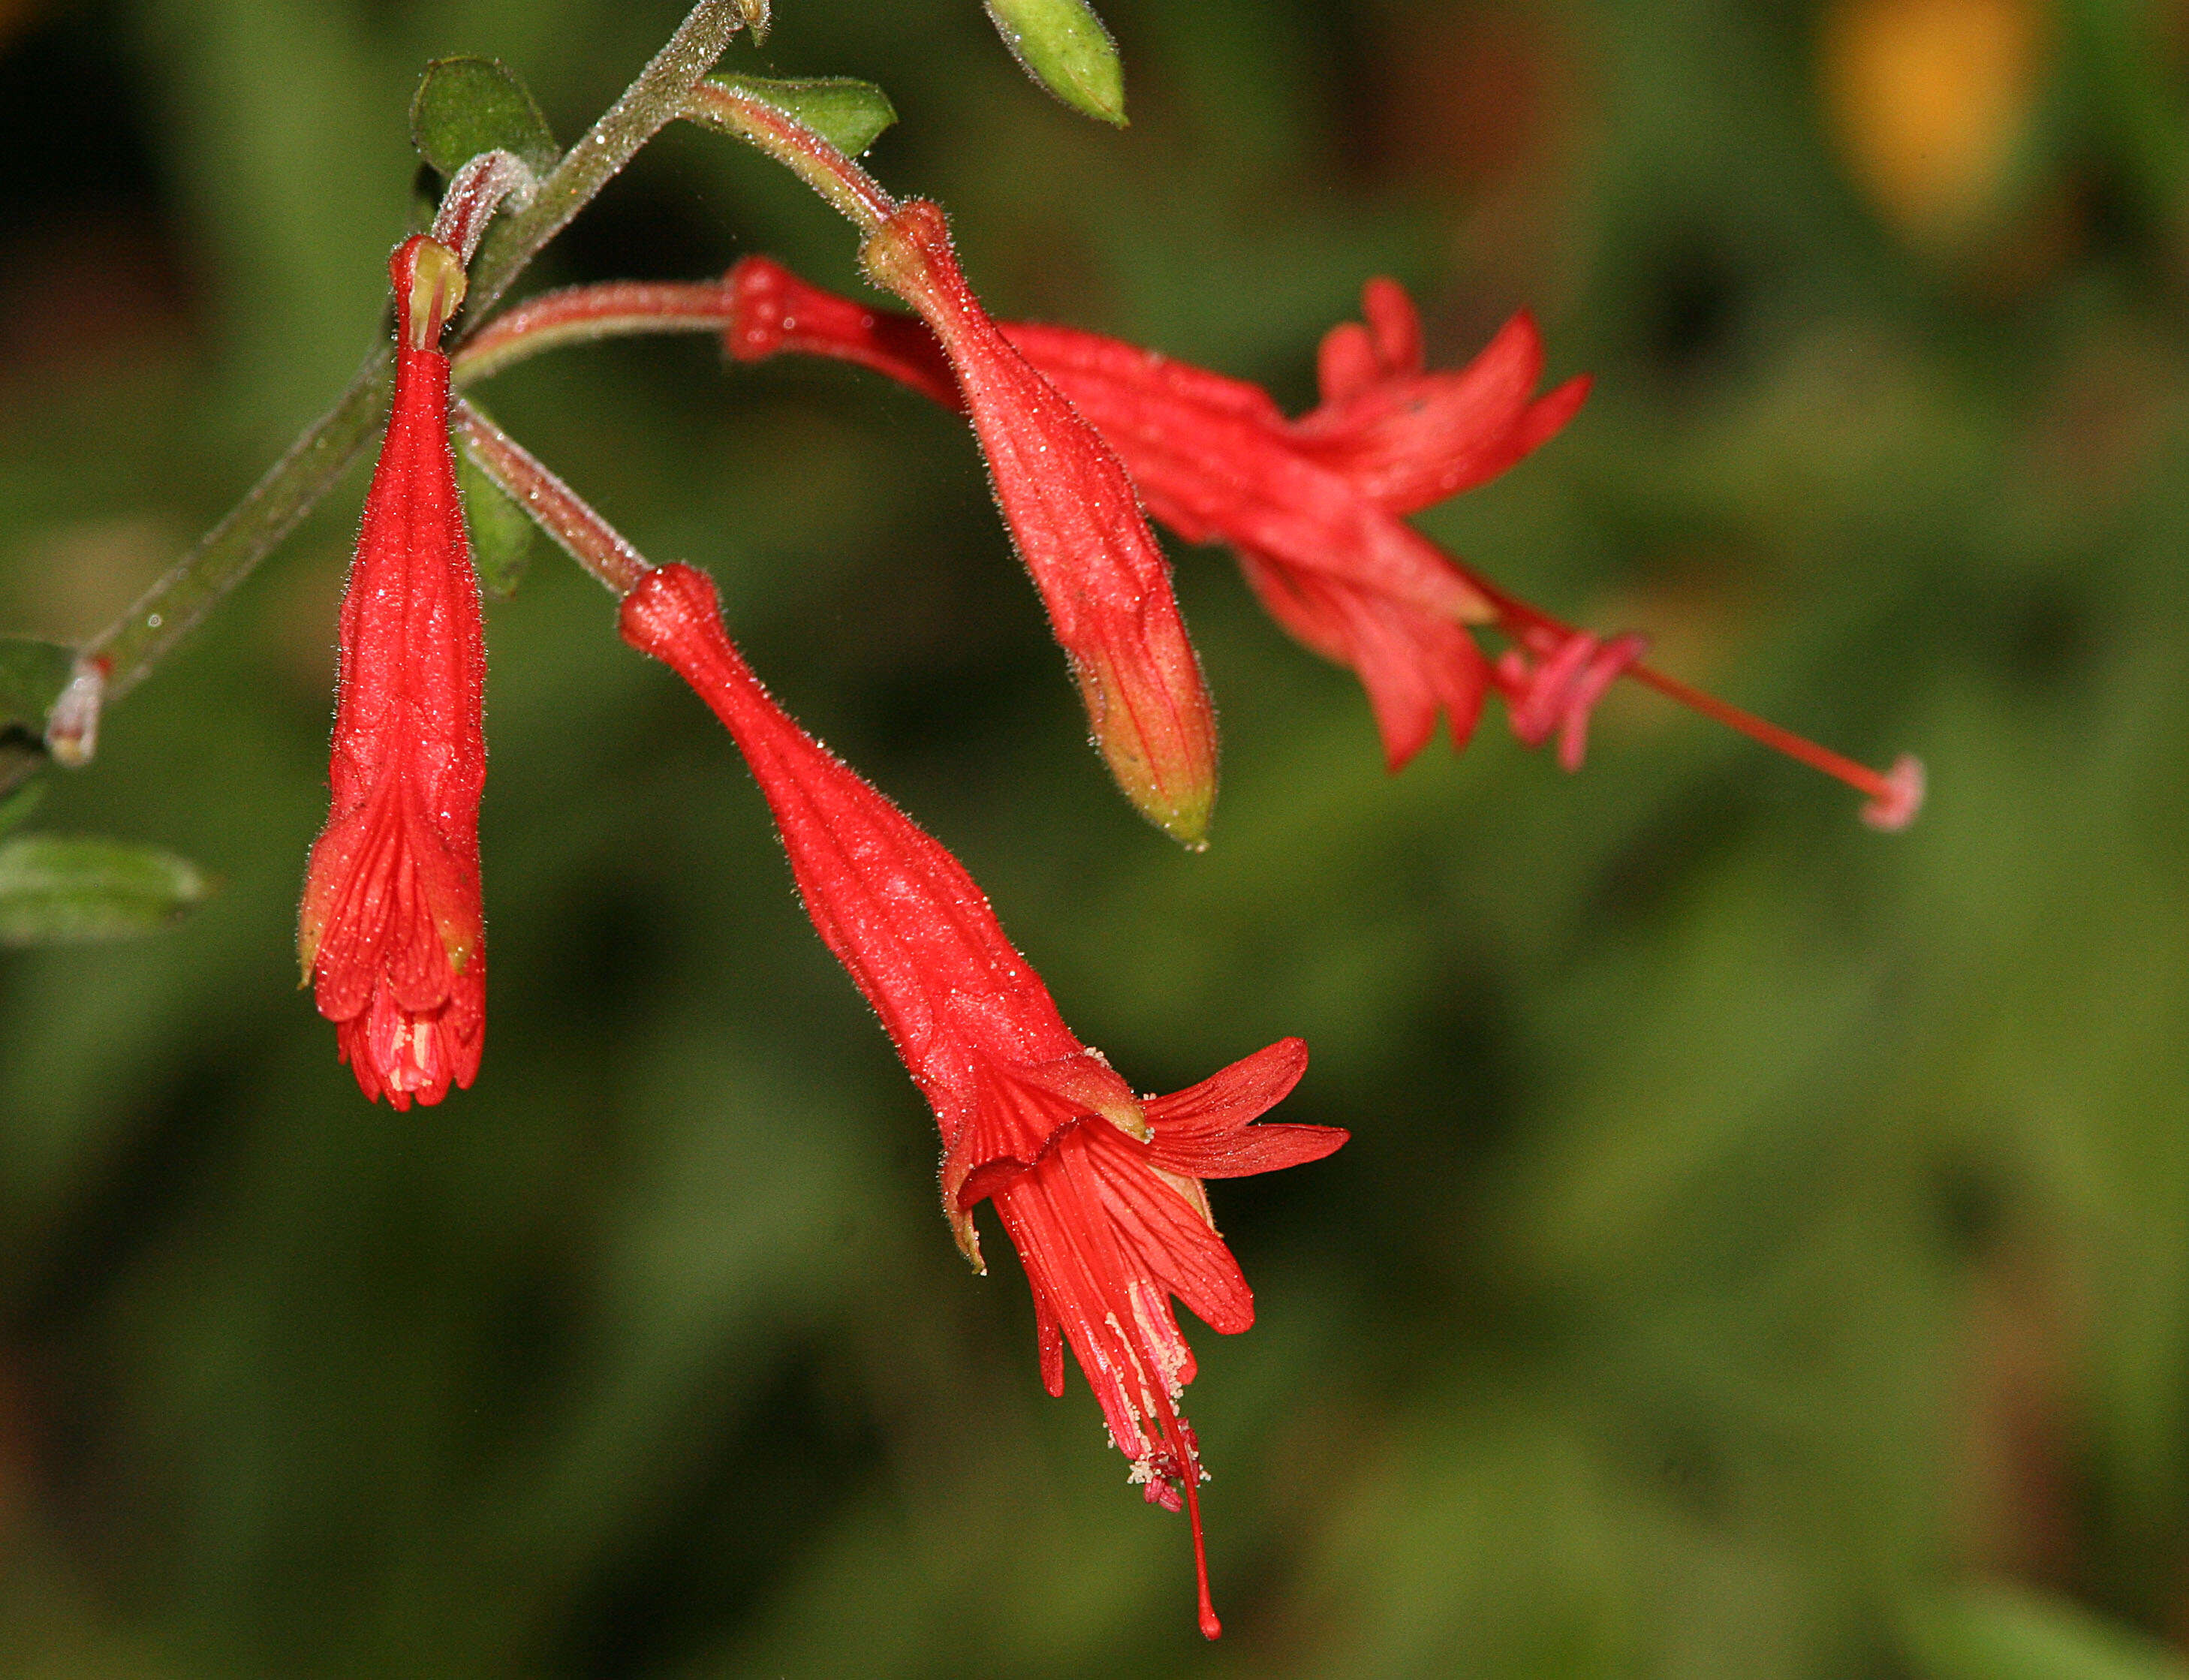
<point x="1312" y="507"/>
<point x="1099" y="1189"/>
<point x="391" y="931"/>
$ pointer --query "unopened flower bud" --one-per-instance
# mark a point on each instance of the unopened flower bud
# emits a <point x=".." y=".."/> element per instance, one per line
<point x="1076" y="520"/>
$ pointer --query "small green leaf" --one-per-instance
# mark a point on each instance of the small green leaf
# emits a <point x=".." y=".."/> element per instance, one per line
<point x="500" y="530"/>
<point x="848" y="114"/>
<point x="466" y="107"/>
<point x="32" y="674"/>
<point x="20" y="804"/>
<point x="55" y="889"/>
<point x="1998" y="1633"/>
<point x="1063" y="46"/>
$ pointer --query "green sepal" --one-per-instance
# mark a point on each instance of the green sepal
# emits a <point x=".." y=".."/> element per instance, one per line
<point x="849" y="114"/>
<point x="469" y="106"/>
<point x="32" y="674"/>
<point x="1063" y="46"/>
<point x="500" y="530"/>
<point x="55" y="889"/>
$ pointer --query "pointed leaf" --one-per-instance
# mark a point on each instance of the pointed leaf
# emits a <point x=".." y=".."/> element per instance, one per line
<point x="32" y="674"/>
<point x="1063" y="46"/>
<point x="850" y="115"/>
<point x="54" y="889"/>
<point x="468" y="105"/>
<point x="1998" y="1633"/>
<point x="500" y="530"/>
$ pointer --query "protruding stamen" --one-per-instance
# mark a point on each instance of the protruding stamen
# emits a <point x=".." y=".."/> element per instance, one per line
<point x="1558" y="695"/>
<point x="1610" y="662"/>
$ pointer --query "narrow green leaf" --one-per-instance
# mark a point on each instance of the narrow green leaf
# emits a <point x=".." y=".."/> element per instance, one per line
<point x="465" y="106"/>
<point x="32" y="674"/>
<point x="1999" y="1632"/>
<point x="54" y="889"/>
<point x="850" y="115"/>
<point x="20" y="804"/>
<point x="500" y="530"/>
<point x="1063" y="46"/>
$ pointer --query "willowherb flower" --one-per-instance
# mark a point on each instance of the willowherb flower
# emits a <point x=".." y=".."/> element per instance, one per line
<point x="391" y="931"/>
<point x="1076" y="522"/>
<point x="1099" y="1188"/>
<point x="1314" y="507"/>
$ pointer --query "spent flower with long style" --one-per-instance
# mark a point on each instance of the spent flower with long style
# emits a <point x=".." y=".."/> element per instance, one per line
<point x="1099" y="1188"/>
<point x="391" y="932"/>
<point x="1314" y="507"/>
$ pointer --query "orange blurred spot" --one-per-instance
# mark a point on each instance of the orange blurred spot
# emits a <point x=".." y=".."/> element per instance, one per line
<point x="15" y="15"/>
<point x="1929" y="101"/>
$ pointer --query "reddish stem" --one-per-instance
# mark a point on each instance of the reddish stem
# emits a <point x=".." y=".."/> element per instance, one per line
<point x="580" y="313"/>
<point x="583" y="313"/>
<point x="814" y="160"/>
<point x="592" y="542"/>
<point x="475" y="192"/>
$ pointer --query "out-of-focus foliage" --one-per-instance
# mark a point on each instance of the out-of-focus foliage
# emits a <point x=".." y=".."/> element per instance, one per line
<point x="1757" y="1232"/>
<point x="66" y="889"/>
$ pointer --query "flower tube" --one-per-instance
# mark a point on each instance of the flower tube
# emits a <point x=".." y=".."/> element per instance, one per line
<point x="1099" y="1189"/>
<point x="391" y="931"/>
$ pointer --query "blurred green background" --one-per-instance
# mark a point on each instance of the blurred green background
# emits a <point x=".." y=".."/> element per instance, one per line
<point x="1764" y="1246"/>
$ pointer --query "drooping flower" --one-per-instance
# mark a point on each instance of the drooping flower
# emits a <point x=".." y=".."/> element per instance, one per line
<point x="1314" y="507"/>
<point x="1076" y="522"/>
<point x="391" y="931"/>
<point x="1099" y="1188"/>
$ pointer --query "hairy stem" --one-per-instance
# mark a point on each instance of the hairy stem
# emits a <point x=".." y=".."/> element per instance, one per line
<point x="818" y="162"/>
<point x="127" y="649"/>
<point x="581" y="315"/>
<point x="224" y="555"/>
<point x="647" y="106"/>
<point x="554" y="507"/>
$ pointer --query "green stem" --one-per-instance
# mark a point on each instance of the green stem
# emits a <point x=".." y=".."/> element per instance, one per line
<point x="647" y="106"/>
<point x="130" y="645"/>
<point x="224" y="555"/>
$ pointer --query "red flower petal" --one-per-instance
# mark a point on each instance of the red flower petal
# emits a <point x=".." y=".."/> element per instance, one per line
<point x="391" y="929"/>
<point x="1075" y="519"/>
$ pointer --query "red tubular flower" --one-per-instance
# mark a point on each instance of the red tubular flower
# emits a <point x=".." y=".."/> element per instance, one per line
<point x="1077" y="521"/>
<point x="1100" y="1190"/>
<point x="391" y="931"/>
<point x="1315" y="508"/>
